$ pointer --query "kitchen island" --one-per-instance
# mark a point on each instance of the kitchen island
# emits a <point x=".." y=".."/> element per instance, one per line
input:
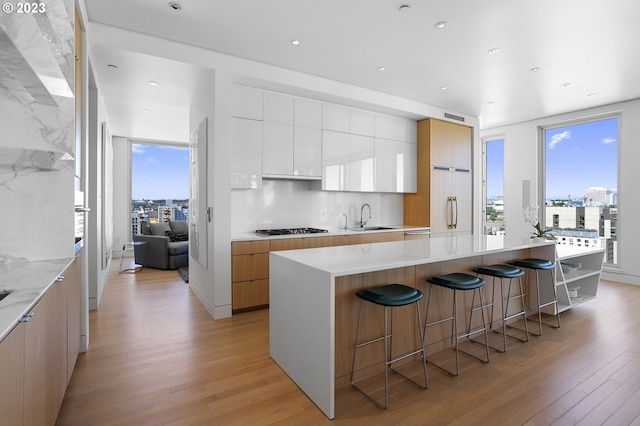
<point x="314" y="308"/>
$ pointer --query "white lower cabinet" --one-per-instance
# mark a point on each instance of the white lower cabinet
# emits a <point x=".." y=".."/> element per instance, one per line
<point x="246" y="153"/>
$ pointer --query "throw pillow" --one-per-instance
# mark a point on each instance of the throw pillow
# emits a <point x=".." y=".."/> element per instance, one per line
<point x="179" y="226"/>
<point x="176" y="236"/>
<point x="159" y="228"/>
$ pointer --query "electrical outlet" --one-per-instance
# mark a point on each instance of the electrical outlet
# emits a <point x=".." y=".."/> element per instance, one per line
<point x="325" y="213"/>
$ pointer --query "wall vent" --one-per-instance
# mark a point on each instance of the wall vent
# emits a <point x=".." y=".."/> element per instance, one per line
<point x="454" y="117"/>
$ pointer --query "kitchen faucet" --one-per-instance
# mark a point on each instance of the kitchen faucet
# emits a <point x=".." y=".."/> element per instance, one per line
<point x="362" y="221"/>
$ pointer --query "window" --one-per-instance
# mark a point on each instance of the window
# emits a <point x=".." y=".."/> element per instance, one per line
<point x="159" y="183"/>
<point x="494" y="187"/>
<point x="581" y="182"/>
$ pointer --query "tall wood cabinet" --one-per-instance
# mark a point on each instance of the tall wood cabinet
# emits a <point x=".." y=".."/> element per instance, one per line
<point x="443" y="200"/>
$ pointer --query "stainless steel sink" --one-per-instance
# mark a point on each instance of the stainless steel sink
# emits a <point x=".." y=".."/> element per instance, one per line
<point x="371" y="228"/>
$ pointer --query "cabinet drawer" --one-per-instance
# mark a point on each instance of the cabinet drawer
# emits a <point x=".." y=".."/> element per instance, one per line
<point x="250" y="294"/>
<point x="301" y="243"/>
<point x="250" y="247"/>
<point x="247" y="267"/>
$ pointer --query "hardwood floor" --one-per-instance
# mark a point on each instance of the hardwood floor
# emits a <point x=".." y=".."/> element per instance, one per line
<point x="157" y="358"/>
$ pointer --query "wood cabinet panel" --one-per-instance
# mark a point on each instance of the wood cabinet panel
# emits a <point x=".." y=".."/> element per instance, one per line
<point x="73" y="296"/>
<point x="382" y="237"/>
<point x="250" y="247"/>
<point x="45" y="368"/>
<point x="301" y="243"/>
<point x="248" y="267"/>
<point x="11" y="377"/>
<point x="447" y="147"/>
<point x="250" y="294"/>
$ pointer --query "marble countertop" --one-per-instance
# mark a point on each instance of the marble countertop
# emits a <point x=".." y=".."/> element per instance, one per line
<point x="362" y="258"/>
<point x="247" y="236"/>
<point x="27" y="283"/>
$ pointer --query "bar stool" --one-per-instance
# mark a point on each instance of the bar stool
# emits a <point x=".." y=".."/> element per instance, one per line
<point x="456" y="282"/>
<point x="541" y="265"/>
<point x="389" y="296"/>
<point x="505" y="272"/>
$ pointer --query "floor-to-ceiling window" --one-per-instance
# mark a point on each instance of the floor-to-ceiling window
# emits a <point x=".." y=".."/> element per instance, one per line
<point x="493" y="186"/>
<point x="159" y="183"/>
<point x="581" y="184"/>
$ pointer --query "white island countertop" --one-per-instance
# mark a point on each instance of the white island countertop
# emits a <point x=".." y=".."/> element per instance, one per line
<point x="27" y="282"/>
<point x="302" y="296"/>
<point x="361" y="258"/>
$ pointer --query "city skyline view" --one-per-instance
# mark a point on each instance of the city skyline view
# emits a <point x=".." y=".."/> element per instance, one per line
<point x="159" y="172"/>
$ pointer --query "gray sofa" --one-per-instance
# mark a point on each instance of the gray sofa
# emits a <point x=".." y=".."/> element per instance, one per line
<point x="166" y="245"/>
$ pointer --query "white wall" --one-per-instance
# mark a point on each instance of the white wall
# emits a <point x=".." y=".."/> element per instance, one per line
<point x="93" y="234"/>
<point x="522" y="148"/>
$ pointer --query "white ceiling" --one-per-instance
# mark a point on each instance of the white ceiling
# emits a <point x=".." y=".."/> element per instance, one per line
<point x="592" y="44"/>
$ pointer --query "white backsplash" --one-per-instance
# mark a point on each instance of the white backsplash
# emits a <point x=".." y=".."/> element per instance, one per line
<point x="293" y="204"/>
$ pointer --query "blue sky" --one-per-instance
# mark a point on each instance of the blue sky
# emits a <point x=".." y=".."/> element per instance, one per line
<point x="577" y="157"/>
<point x="159" y="172"/>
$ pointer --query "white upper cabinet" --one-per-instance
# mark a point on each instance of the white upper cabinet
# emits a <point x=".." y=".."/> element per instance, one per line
<point x="277" y="149"/>
<point x="246" y="153"/>
<point x="395" y="128"/>
<point x="277" y="108"/>
<point x="395" y="166"/>
<point x="361" y="122"/>
<point x="307" y="138"/>
<point x="336" y="118"/>
<point x="307" y="113"/>
<point x="361" y="164"/>
<point x="335" y="160"/>
<point x="307" y="152"/>
<point x="247" y="103"/>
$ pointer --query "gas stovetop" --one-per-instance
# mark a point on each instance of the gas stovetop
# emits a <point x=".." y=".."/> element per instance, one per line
<point x="290" y="231"/>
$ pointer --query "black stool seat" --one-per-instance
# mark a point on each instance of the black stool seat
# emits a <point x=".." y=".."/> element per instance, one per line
<point x="457" y="281"/>
<point x="500" y="271"/>
<point x="391" y="295"/>
<point x="533" y="263"/>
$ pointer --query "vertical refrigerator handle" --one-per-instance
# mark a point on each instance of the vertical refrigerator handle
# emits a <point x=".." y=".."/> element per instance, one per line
<point x="455" y="222"/>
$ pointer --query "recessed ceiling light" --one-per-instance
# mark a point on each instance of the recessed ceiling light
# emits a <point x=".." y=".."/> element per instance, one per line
<point x="493" y="50"/>
<point x="153" y="83"/>
<point x="404" y="8"/>
<point x="112" y="66"/>
<point x="382" y="68"/>
<point x="295" y="42"/>
<point x="175" y="5"/>
<point x="565" y="84"/>
<point x="591" y="94"/>
<point x="440" y="25"/>
<point x="443" y="87"/>
<point x="535" y="69"/>
<point x="489" y="102"/>
<point x="145" y="110"/>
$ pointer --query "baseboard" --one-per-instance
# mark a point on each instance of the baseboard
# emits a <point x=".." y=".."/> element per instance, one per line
<point x="216" y="312"/>
<point x="620" y="278"/>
